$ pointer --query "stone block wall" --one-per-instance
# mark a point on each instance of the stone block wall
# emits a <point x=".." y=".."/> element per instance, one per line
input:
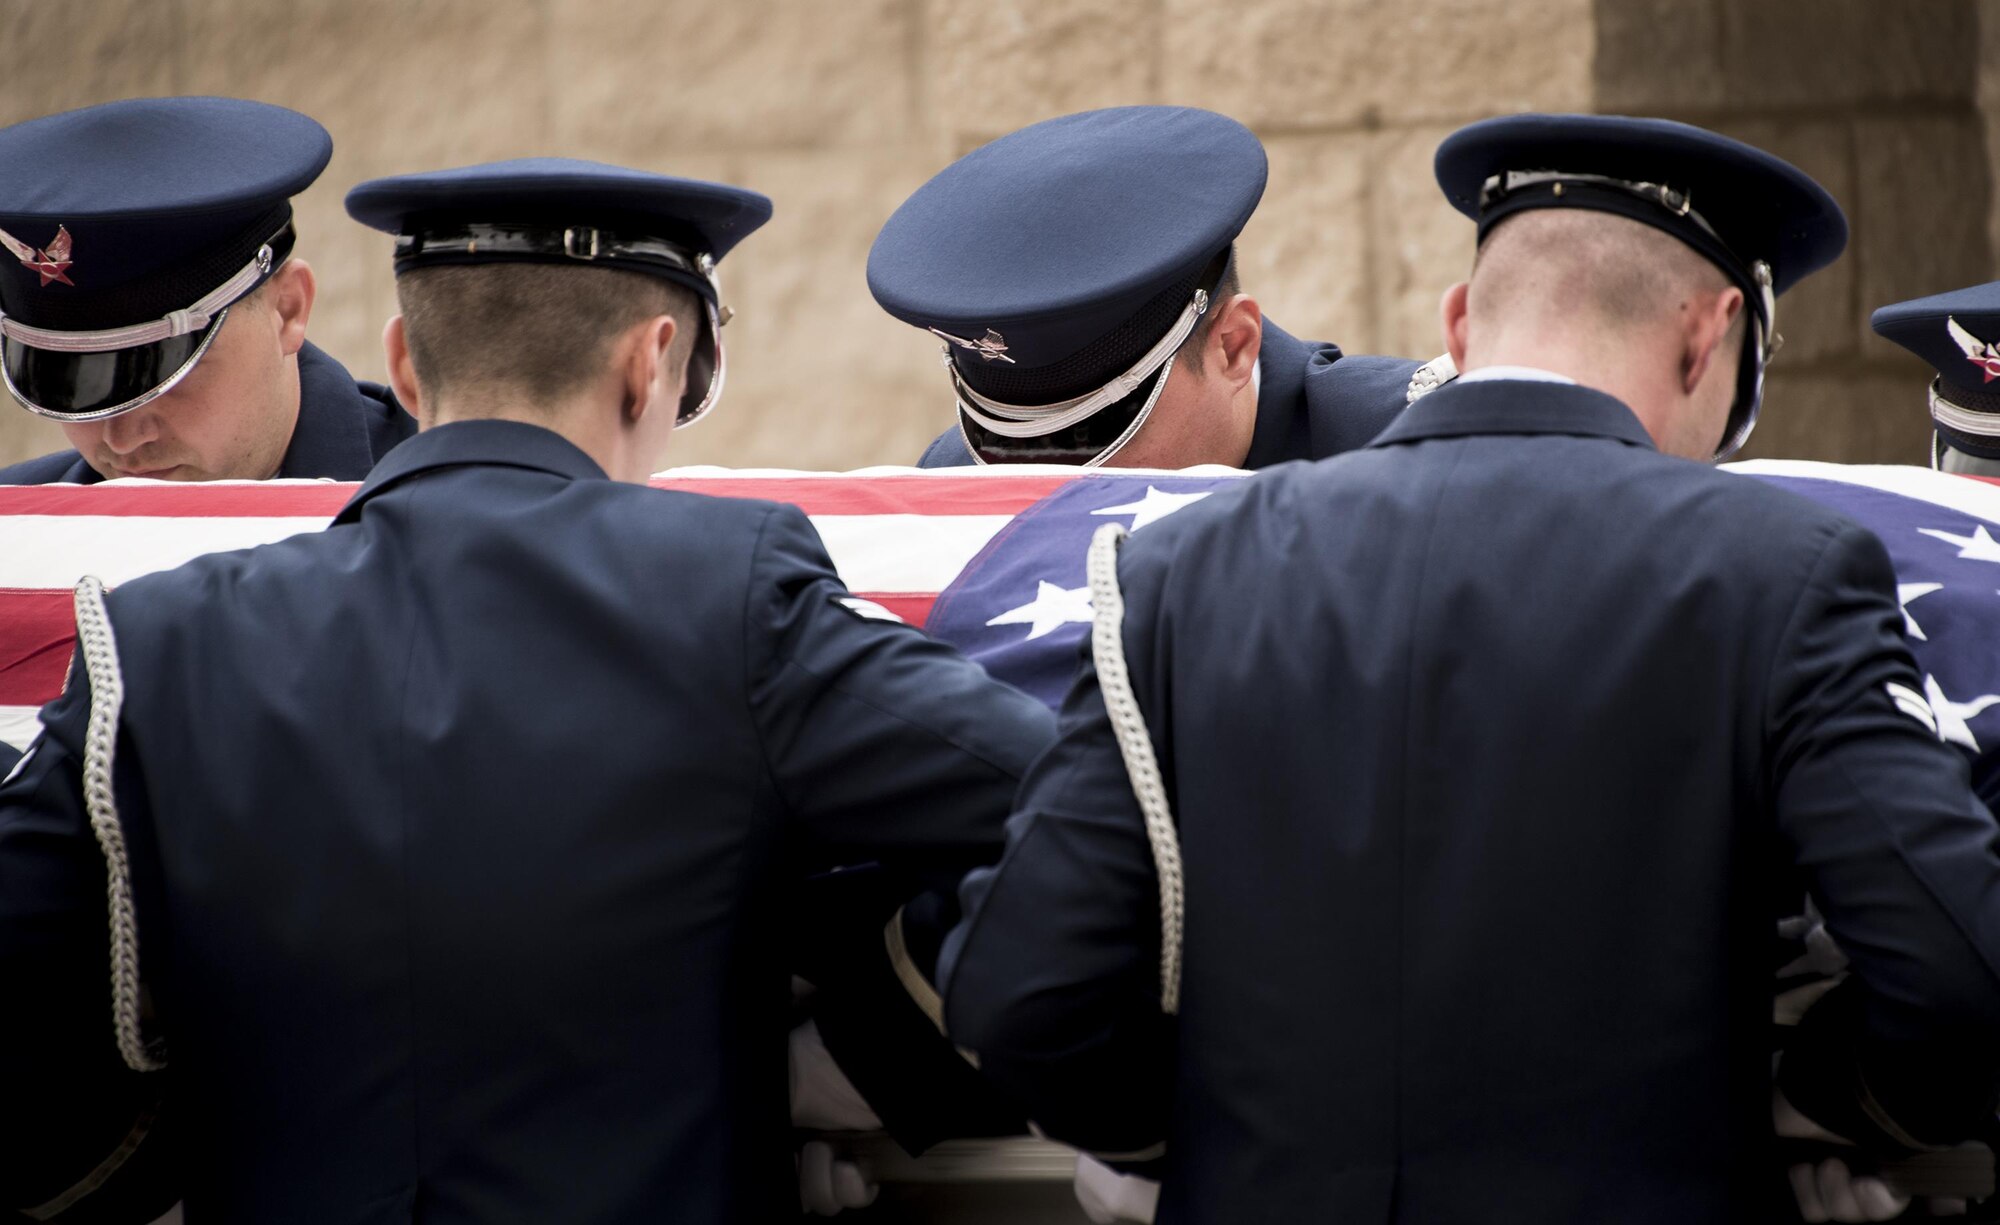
<point x="839" y="110"/>
<point x="1879" y="102"/>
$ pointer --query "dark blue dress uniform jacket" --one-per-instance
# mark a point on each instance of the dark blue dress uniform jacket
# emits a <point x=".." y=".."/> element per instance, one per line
<point x="345" y="425"/>
<point x="1490" y="748"/>
<point x="461" y="837"/>
<point x="1312" y="403"/>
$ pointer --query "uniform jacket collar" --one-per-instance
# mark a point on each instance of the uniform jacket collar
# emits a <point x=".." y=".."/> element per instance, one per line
<point x="507" y="444"/>
<point x="339" y="420"/>
<point x="1507" y="406"/>
<point x="1284" y="429"/>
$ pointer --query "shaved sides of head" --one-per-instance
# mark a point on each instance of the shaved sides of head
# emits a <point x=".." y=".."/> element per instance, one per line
<point x="540" y="329"/>
<point x="1586" y="267"/>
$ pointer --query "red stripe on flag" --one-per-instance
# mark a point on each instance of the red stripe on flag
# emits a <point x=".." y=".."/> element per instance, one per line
<point x="914" y="607"/>
<point x="37" y="631"/>
<point x="884" y="495"/>
<point x="816" y="495"/>
<point x="178" y="501"/>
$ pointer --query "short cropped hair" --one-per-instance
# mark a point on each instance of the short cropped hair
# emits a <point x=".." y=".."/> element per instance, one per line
<point x="1580" y="261"/>
<point x="1580" y="268"/>
<point x="541" y="330"/>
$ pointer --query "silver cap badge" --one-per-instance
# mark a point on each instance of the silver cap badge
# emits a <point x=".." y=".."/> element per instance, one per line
<point x="51" y="262"/>
<point x="1980" y="353"/>
<point x="992" y="346"/>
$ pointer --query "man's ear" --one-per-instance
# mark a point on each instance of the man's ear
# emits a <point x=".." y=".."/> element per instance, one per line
<point x="1705" y="324"/>
<point x="402" y="371"/>
<point x="292" y="290"/>
<point x="1455" y="316"/>
<point x="1236" y="339"/>
<point x="648" y="374"/>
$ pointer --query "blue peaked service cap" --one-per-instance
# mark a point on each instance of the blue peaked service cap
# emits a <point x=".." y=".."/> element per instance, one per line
<point x="1063" y="265"/>
<point x="129" y="229"/>
<point x="1958" y="333"/>
<point x="1761" y="220"/>
<point x="563" y="211"/>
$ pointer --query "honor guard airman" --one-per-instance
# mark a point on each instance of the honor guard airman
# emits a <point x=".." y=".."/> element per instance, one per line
<point x="1080" y="276"/>
<point x="450" y="850"/>
<point x="151" y="304"/>
<point x="1958" y="333"/>
<point x="1412" y="847"/>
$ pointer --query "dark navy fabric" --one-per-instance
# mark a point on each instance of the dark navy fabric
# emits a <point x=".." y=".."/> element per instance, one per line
<point x="1057" y="233"/>
<point x="1022" y="604"/>
<point x="1958" y="333"/>
<point x="1312" y="402"/>
<point x="1496" y="750"/>
<point x="345" y="426"/>
<point x="462" y="834"/>
<point x="565" y="191"/>
<point x="1759" y="206"/>
<point x="163" y="199"/>
<point x="1919" y="325"/>
<point x="1945" y="578"/>
<point x="947" y="450"/>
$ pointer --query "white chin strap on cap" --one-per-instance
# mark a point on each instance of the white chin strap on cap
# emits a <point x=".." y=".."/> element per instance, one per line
<point x="175" y="323"/>
<point x="1034" y="421"/>
<point x="718" y="315"/>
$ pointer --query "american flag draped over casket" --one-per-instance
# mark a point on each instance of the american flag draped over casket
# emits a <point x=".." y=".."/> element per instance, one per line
<point x="991" y="560"/>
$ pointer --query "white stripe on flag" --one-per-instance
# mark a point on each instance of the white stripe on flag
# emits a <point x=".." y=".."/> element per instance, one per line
<point x="896" y="553"/>
<point x="1963" y="494"/>
<point x="53" y="551"/>
<point x="892" y="553"/>
<point x="18" y="724"/>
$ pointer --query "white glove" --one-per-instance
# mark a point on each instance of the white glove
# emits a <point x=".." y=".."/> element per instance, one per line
<point x="829" y="1185"/>
<point x="1828" y="1190"/>
<point x="1109" y="1197"/>
<point x="823" y="1099"/>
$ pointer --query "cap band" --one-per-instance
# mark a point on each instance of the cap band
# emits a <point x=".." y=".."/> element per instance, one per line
<point x="1958" y="419"/>
<point x="1032" y="421"/>
<point x="490" y="243"/>
<point x="176" y="323"/>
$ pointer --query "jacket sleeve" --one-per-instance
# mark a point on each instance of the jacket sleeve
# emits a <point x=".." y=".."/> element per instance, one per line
<point x="897" y="759"/>
<point x="883" y="743"/>
<point x="1903" y="860"/>
<point x="947" y="450"/>
<point x="1052" y="978"/>
<point x="86" y="1139"/>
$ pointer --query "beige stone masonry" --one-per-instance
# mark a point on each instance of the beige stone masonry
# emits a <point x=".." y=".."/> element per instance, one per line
<point x="838" y="110"/>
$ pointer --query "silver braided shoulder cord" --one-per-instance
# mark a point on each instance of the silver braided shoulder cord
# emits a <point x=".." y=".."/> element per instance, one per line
<point x="107" y="690"/>
<point x="1430" y="376"/>
<point x="1107" y="648"/>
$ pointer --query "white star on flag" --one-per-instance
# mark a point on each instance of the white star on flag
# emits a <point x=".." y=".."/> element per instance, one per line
<point x="1156" y="505"/>
<point x="1952" y="716"/>
<point x="1052" y="606"/>
<point x="1905" y="594"/>
<point x="1977" y="547"/>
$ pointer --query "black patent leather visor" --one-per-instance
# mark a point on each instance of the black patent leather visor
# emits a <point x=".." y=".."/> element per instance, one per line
<point x="81" y="387"/>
